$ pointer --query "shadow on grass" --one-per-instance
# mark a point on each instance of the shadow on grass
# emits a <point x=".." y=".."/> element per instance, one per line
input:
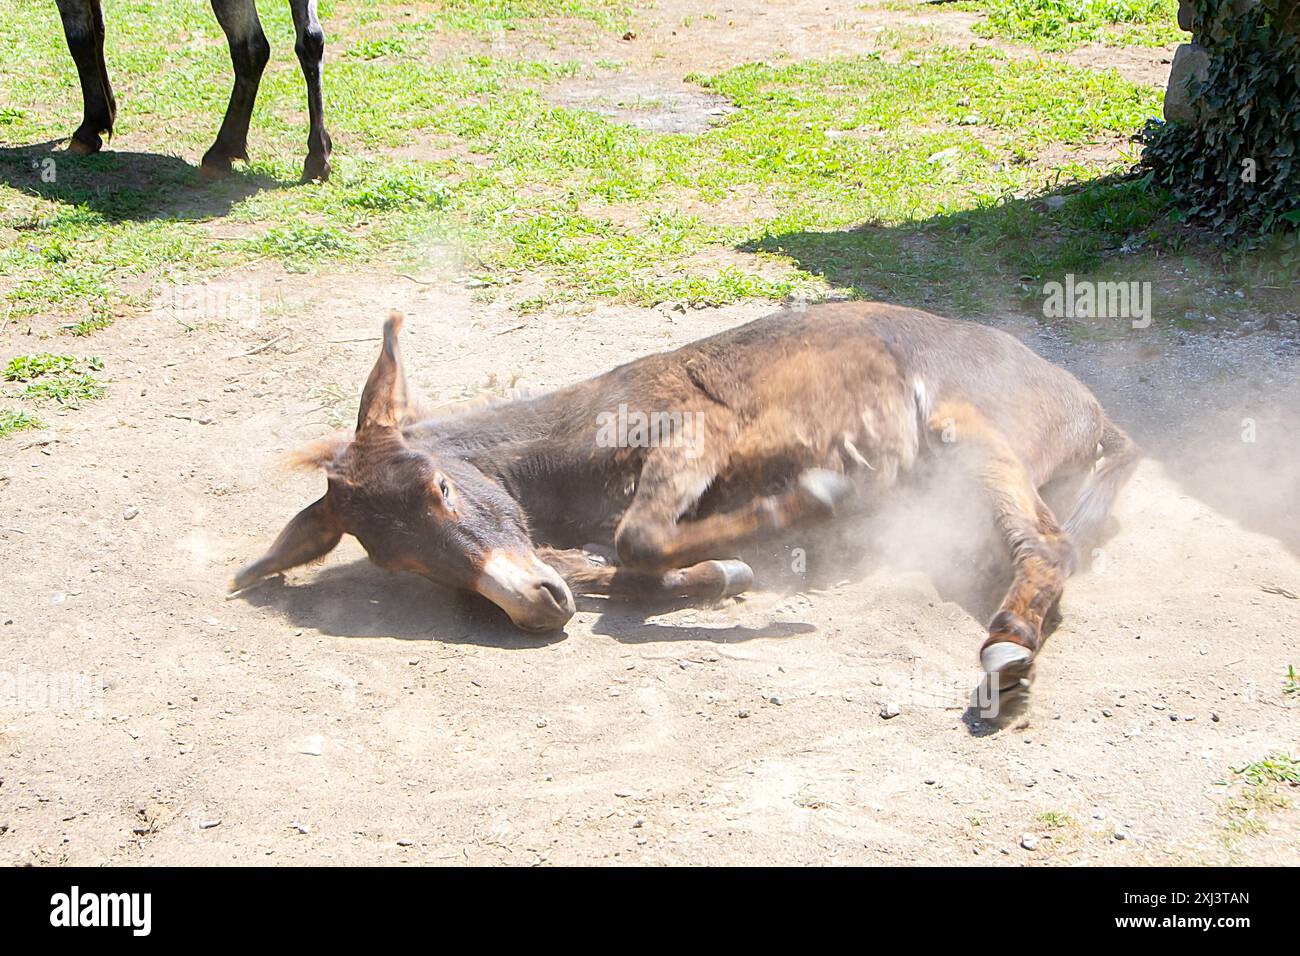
<point x="126" y="186"/>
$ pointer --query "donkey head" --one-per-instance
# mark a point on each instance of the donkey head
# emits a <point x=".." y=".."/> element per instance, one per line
<point x="417" y="510"/>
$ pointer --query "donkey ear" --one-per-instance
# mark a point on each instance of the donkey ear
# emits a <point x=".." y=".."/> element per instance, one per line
<point x="384" y="403"/>
<point x="312" y="534"/>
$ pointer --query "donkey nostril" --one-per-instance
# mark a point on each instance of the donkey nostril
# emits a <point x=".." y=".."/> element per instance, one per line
<point x="556" y="592"/>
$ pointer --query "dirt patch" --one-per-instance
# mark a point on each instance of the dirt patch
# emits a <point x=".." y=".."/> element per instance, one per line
<point x="747" y="732"/>
<point x="648" y="104"/>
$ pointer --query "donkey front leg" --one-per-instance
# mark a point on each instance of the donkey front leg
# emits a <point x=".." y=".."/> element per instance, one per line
<point x="650" y="535"/>
<point x="249" y="52"/>
<point x="591" y="574"/>
<point x="1042" y="554"/>
<point x="310" y="47"/>
<point x="83" y="26"/>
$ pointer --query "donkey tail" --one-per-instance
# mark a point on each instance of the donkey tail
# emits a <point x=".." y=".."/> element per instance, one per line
<point x="1120" y="455"/>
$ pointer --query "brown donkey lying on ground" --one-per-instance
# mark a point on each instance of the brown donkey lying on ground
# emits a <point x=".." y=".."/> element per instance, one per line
<point x="676" y="459"/>
<point x="83" y="26"/>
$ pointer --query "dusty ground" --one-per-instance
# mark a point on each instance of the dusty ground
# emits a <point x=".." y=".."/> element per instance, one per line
<point x="351" y="716"/>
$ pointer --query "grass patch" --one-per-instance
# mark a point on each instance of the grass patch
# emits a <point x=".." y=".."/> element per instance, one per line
<point x="916" y="179"/>
<point x="1258" y="793"/>
<point x="63" y="379"/>
<point x="1274" y="769"/>
<point x="831" y="145"/>
<point x="16" y="420"/>
<point x="68" y="390"/>
<point x="1066" y="24"/>
<point x="1055" y="820"/>
<point x="1291" y="683"/>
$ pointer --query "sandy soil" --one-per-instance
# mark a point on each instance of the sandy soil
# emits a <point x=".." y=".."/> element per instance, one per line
<point x="347" y="715"/>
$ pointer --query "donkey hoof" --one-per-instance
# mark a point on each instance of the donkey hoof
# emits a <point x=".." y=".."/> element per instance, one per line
<point x="215" y="168"/>
<point x="316" y="168"/>
<point x="83" y="148"/>
<point x="736" y="577"/>
<point x="828" y="488"/>
<point x="1010" y="663"/>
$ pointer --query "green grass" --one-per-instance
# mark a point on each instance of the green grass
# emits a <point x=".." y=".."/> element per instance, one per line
<point x="1256" y="793"/>
<point x="1274" y="769"/>
<point x="916" y="178"/>
<point x="1065" y="24"/>
<point x="1291" y="684"/>
<point x="1055" y="820"/>
<point x="50" y="378"/>
<point x="14" y="420"/>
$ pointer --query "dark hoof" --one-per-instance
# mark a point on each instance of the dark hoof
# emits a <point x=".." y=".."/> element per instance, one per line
<point x="215" y="167"/>
<point x="829" y="489"/>
<point x="85" y="146"/>
<point x="316" y="169"/>
<point x="735" y="577"/>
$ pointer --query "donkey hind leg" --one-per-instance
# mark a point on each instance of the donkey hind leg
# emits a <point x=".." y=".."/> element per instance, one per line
<point x="591" y="574"/>
<point x="650" y="536"/>
<point x="310" y="47"/>
<point x="83" y="27"/>
<point x="1042" y="554"/>
<point x="249" y="52"/>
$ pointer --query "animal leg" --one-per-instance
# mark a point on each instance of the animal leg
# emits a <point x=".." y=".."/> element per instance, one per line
<point x="83" y="26"/>
<point x="249" y="52"/>
<point x="1042" y="554"/>
<point x="590" y="574"/>
<point x="650" y="535"/>
<point x="310" y="47"/>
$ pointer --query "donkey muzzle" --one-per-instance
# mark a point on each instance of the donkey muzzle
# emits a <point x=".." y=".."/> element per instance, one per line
<point x="530" y="591"/>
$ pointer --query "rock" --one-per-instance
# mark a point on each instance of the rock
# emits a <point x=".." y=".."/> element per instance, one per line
<point x="403" y="842"/>
<point x="1120" y="834"/>
<point x="130" y="513"/>
<point x="889" y="710"/>
<point x="1191" y="63"/>
<point x="312" y="746"/>
<point x="209" y="824"/>
<point x="776" y="699"/>
<point x="1029" y="841"/>
<point x="742" y="714"/>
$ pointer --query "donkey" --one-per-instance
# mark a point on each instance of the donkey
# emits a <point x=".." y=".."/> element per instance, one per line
<point x="800" y="416"/>
<point x="83" y="25"/>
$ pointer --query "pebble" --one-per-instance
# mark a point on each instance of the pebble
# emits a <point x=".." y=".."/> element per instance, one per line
<point x="1120" y="834"/>
<point x="209" y="824"/>
<point x="542" y="722"/>
<point x="1029" y="841"/>
<point x="130" y="513"/>
<point x="742" y="713"/>
<point x="775" y="699"/>
<point x="403" y="842"/>
<point x="890" y="710"/>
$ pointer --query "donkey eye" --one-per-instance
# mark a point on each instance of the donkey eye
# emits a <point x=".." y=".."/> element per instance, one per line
<point x="442" y="487"/>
